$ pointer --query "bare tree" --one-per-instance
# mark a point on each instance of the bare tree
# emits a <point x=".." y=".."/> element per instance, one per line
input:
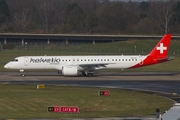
<point x="160" y="14"/>
<point x="46" y="14"/>
<point x="22" y="19"/>
<point x="59" y="9"/>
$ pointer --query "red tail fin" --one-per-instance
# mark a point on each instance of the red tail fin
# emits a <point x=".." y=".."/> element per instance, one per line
<point x="161" y="49"/>
<point x="158" y="54"/>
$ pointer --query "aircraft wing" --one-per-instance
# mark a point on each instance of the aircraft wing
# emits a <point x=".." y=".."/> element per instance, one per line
<point x="94" y="65"/>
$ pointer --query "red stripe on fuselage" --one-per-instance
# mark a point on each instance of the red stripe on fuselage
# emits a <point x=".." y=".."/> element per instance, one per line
<point x="149" y="60"/>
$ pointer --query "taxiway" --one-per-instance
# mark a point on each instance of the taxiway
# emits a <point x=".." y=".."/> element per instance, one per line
<point x="164" y="83"/>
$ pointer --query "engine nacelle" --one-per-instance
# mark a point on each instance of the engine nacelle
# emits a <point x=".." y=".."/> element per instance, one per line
<point x="70" y="70"/>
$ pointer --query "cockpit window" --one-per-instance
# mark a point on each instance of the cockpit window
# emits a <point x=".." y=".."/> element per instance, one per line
<point x="14" y="60"/>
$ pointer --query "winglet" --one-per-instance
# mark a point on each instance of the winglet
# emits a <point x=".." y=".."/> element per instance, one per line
<point x="161" y="49"/>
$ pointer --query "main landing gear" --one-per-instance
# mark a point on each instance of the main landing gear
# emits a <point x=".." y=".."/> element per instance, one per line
<point x="87" y="74"/>
<point x="22" y="73"/>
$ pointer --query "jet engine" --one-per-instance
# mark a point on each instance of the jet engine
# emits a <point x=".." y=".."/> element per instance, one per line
<point x="70" y="70"/>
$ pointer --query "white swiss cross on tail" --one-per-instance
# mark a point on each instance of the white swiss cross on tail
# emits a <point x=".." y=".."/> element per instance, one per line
<point x="161" y="48"/>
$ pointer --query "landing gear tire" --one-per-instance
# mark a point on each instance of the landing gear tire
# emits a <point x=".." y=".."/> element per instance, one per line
<point x="89" y="74"/>
<point x="23" y="75"/>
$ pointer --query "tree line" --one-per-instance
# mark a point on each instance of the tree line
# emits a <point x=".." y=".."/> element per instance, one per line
<point x="89" y="17"/>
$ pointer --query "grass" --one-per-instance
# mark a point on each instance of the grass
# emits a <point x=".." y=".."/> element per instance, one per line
<point x="25" y="101"/>
<point x="123" y="47"/>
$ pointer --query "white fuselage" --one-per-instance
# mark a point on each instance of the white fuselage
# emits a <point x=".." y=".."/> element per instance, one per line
<point x="87" y="65"/>
<point x="57" y="62"/>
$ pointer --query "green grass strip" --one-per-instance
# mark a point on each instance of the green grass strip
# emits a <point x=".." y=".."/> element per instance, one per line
<point x="26" y="101"/>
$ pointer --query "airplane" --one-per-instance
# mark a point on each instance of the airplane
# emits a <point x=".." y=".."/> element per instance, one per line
<point x="88" y="65"/>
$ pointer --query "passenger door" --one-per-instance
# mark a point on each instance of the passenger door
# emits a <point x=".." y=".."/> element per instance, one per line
<point x="26" y="61"/>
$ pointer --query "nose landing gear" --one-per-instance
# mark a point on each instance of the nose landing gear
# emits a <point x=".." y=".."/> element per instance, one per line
<point x="22" y="73"/>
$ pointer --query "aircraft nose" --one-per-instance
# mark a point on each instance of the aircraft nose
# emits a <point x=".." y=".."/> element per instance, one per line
<point x="6" y="66"/>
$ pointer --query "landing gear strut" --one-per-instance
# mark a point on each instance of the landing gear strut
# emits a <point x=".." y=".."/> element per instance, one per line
<point x="87" y="74"/>
<point x="22" y="73"/>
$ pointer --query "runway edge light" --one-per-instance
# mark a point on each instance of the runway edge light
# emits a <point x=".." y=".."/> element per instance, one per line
<point x="41" y="86"/>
